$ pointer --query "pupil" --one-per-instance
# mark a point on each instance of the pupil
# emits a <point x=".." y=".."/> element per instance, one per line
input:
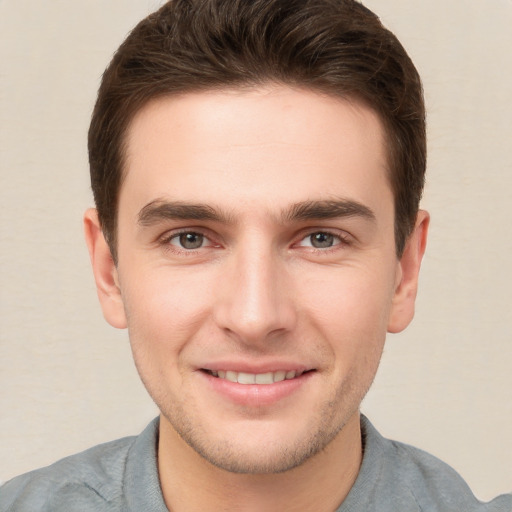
<point x="191" y="240"/>
<point x="321" y="240"/>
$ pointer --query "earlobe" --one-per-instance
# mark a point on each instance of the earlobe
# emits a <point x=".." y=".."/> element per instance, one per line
<point x="402" y="310"/>
<point x="105" y="272"/>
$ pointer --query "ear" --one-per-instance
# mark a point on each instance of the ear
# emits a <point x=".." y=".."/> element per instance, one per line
<point x="105" y="271"/>
<point x="402" y="310"/>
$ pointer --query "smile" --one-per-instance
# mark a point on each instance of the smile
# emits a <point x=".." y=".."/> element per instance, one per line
<point x="255" y="378"/>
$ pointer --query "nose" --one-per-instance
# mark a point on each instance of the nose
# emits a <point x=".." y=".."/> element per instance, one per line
<point x="254" y="303"/>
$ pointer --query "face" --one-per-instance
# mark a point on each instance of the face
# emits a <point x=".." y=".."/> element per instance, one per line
<point x="257" y="272"/>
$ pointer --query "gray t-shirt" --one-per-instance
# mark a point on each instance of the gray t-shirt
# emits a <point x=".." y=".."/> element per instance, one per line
<point x="122" y="476"/>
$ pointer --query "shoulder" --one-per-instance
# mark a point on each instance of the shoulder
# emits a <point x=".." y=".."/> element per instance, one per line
<point x="406" y="478"/>
<point x="90" y="480"/>
<point x="437" y="486"/>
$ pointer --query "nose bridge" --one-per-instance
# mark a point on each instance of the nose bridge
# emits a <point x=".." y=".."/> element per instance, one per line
<point x="254" y="302"/>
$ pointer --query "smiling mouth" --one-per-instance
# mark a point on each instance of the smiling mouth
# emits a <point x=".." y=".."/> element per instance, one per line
<point x="256" y="378"/>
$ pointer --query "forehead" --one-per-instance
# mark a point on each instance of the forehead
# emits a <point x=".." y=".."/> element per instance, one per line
<point x="272" y="146"/>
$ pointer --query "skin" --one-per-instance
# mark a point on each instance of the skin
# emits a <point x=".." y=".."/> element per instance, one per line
<point x="266" y="174"/>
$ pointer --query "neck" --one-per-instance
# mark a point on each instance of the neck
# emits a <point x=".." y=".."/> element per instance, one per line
<point x="190" y="483"/>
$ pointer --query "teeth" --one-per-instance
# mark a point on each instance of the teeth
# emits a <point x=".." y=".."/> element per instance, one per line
<point x="232" y="376"/>
<point x="281" y="375"/>
<point x="263" y="378"/>
<point x="256" y="378"/>
<point x="246" y="378"/>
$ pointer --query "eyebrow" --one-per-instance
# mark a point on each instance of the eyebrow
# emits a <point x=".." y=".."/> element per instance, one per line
<point x="328" y="209"/>
<point x="159" y="210"/>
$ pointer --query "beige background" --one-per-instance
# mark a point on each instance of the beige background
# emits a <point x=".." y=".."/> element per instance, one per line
<point x="66" y="377"/>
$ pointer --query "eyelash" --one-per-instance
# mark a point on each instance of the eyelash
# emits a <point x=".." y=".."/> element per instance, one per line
<point x="344" y="240"/>
<point x="165" y="241"/>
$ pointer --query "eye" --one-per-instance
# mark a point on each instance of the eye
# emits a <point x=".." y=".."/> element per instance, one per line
<point x="189" y="240"/>
<point x="320" y="240"/>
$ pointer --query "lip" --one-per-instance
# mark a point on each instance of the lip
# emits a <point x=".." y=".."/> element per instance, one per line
<point x="252" y="367"/>
<point x="256" y="395"/>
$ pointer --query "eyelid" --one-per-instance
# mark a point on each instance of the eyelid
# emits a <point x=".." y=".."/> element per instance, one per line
<point x="176" y="240"/>
<point x="343" y="237"/>
<point x="165" y="239"/>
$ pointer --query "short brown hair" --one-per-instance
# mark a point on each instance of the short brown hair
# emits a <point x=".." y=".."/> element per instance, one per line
<point x="338" y="47"/>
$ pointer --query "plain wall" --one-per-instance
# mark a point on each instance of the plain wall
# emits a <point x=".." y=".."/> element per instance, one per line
<point x="67" y="379"/>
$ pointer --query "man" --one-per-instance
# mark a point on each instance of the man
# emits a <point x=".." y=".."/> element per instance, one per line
<point x="257" y="169"/>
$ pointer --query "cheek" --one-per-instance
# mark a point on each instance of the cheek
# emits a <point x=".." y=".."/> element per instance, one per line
<point x="164" y="313"/>
<point x="351" y="307"/>
<point x="164" y="310"/>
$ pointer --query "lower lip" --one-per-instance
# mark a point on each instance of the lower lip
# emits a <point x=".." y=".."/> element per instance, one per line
<point x="257" y="395"/>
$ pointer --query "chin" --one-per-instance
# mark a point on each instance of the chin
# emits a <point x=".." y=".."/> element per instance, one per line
<point x="265" y="460"/>
<point x="259" y="448"/>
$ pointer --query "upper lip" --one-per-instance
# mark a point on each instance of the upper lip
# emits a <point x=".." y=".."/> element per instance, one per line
<point x="256" y="368"/>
